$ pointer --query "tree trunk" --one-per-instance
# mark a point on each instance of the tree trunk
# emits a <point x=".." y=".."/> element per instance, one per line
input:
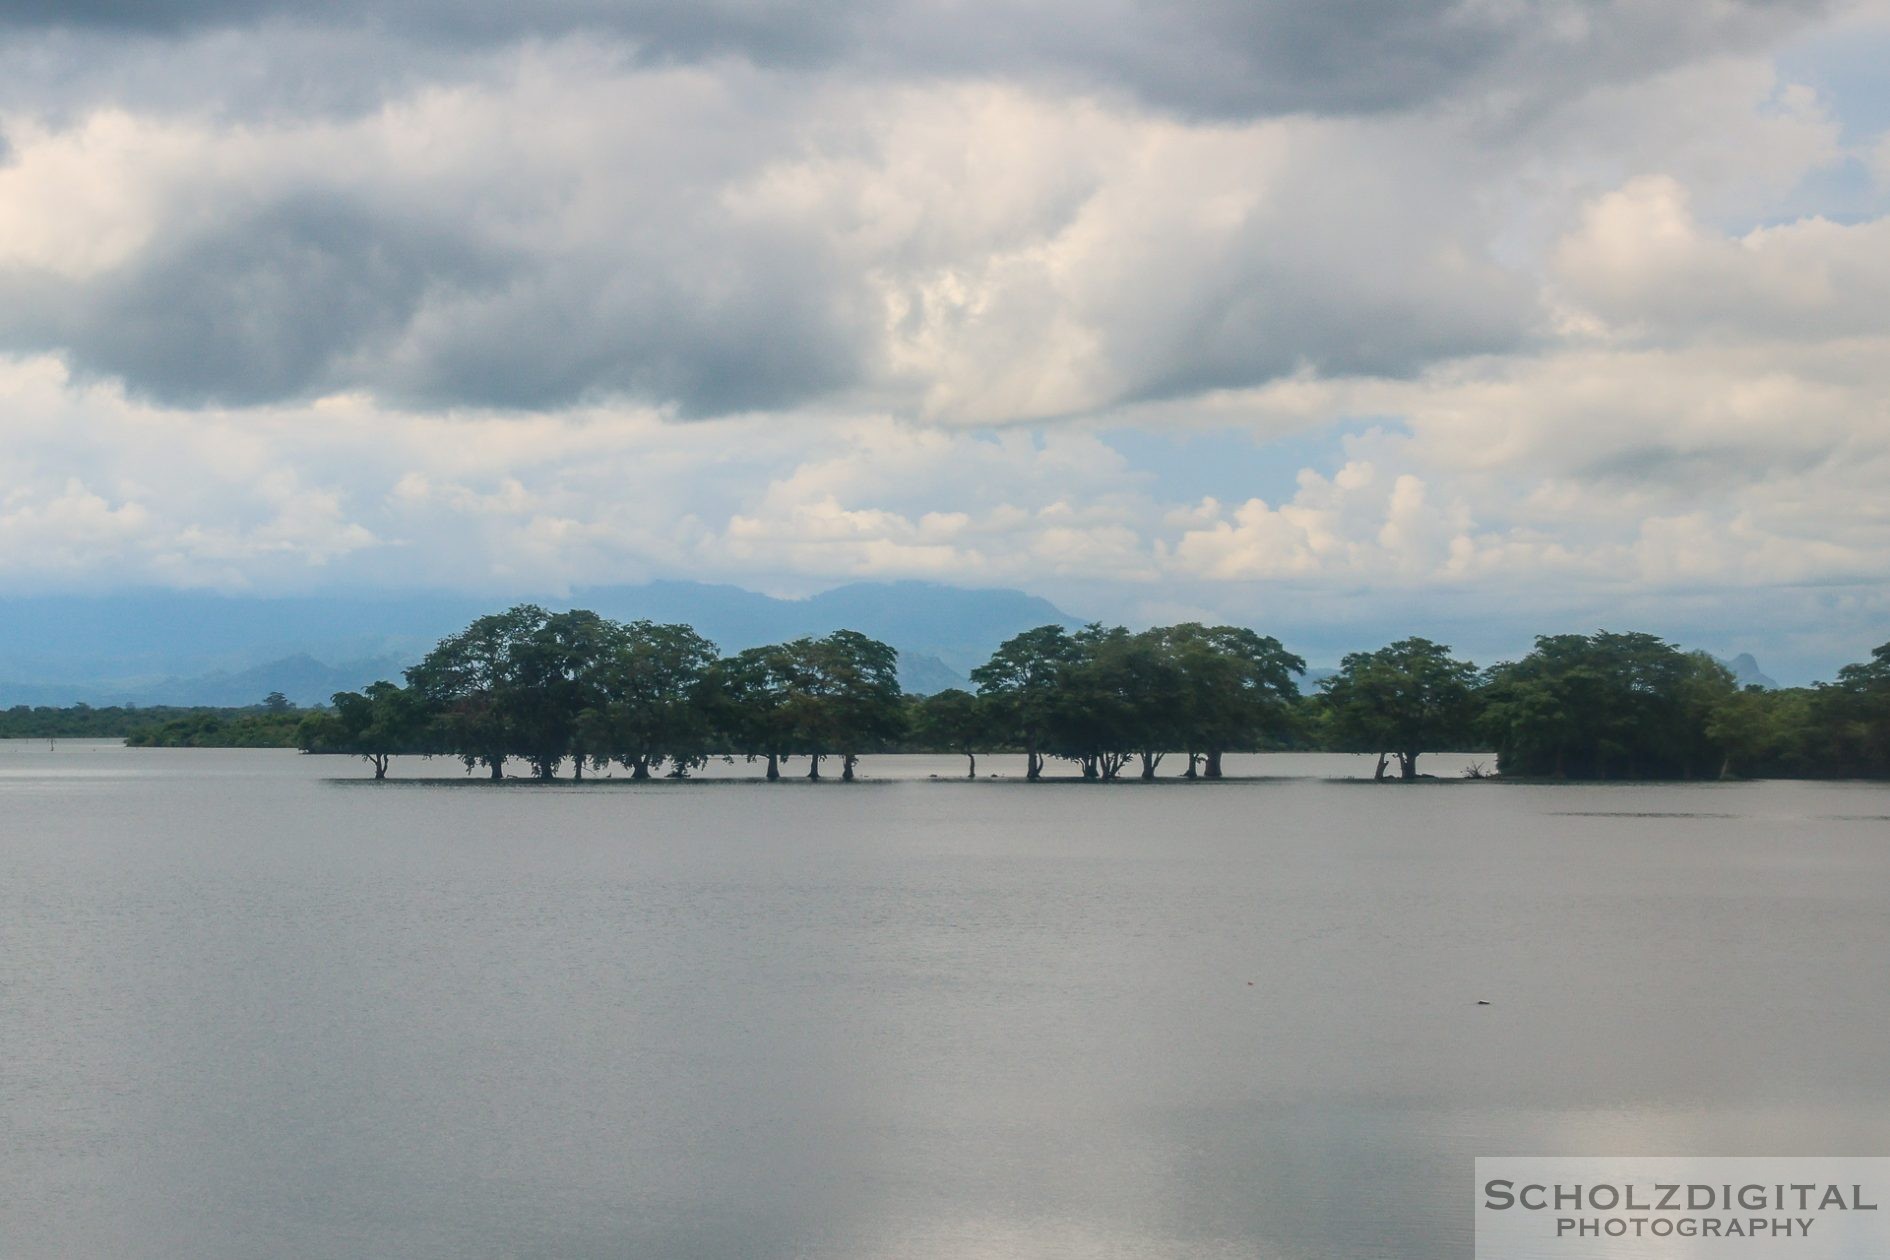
<point x="1407" y="766"/>
<point x="498" y="769"/>
<point x="1213" y="770"/>
<point x="1149" y="762"/>
<point x="774" y="767"/>
<point x="847" y="762"/>
<point x="813" y="766"/>
<point x="1194" y="760"/>
<point x="971" y="757"/>
<point x="640" y="769"/>
<point x="1033" y="767"/>
<point x="380" y="761"/>
<point x="577" y="769"/>
<point x="1379" y="774"/>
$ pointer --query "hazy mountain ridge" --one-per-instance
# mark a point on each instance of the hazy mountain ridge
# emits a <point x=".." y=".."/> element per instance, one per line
<point x="181" y="647"/>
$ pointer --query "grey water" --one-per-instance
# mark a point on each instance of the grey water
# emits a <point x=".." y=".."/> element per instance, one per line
<point x="253" y="1005"/>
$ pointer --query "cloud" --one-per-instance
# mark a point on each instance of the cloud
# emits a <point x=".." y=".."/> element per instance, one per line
<point x="1211" y="58"/>
<point x="973" y="254"/>
<point x="1644" y="268"/>
<point x="1531" y="310"/>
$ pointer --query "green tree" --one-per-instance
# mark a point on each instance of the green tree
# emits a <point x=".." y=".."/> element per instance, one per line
<point x="649" y="703"/>
<point x="1403" y="700"/>
<point x="956" y="720"/>
<point x="747" y="704"/>
<point x="515" y="684"/>
<point x="842" y="698"/>
<point x="1021" y="682"/>
<point x="1115" y="699"/>
<point x="1236" y="690"/>
<point x="1606" y="705"/>
<point x="375" y="725"/>
<point x="1852" y="716"/>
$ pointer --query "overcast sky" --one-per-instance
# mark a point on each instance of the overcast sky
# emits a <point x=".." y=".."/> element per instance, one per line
<point x="1342" y="318"/>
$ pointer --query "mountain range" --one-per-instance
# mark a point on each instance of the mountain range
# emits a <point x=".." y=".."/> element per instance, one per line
<point x="183" y="647"/>
<point x="190" y="648"/>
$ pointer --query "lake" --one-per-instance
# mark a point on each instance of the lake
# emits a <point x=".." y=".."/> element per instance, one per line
<point x="252" y="1004"/>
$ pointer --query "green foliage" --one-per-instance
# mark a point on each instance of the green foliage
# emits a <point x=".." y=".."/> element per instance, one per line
<point x="1022" y="685"/>
<point x="1852" y="719"/>
<point x="747" y="697"/>
<point x="1237" y="691"/>
<point x="374" y="725"/>
<point x="1402" y="701"/>
<point x="650" y="703"/>
<point x="1607" y="706"/>
<point x="840" y="697"/>
<point x="82" y="721"/>
<point x="220" y="728"/>
<point x="544" y="688"/>
<point x="955" y="720"/>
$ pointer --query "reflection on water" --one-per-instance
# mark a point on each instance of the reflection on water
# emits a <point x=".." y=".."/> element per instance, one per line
<point x="249" y="1010"/>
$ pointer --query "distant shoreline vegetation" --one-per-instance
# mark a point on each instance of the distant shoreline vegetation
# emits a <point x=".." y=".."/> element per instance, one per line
<point x="575" y="691"/>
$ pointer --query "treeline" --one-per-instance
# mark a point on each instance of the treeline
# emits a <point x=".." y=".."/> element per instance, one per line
<point x="551" y="690"/>
<point x="223" y="728"/>
<point x="573" y="688"/>
<point x="272" y="724"/>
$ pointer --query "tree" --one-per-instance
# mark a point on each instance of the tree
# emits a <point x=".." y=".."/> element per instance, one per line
<point x="1403" y="700"/>
<point x="1235" y="689"/>
<point x="747" y="698"/>
<point x="1853" y="716"/>
<point x="956" y="720"/>
<point x="1765" y="732"/>
<point x="650" y="702"/>
<point x="514" y="684"/>
<point x="276" y="702"/>
<point x="842" y="698"/>
<point x="374" y="725"/>
<point x="1110" y="703"/>
<point x="1606" y="705"/>
<point x="1020" y="684"/>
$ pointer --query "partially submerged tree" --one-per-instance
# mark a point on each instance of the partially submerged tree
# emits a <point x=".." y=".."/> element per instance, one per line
<point x="1236" y="690"/>
<point x="1401" y="701"/>
<point x="650" y="704"/>
<point x="747" y="697"/>
<point x="956" y="720"/>
<point x="842" y="698"/>
<point x="376" y="725"/>
<point x="1607" y="705"/>
<point x="1021" y="683"/>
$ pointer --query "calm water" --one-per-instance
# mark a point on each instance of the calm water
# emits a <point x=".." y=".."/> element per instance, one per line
<point x="251" y="1008"/>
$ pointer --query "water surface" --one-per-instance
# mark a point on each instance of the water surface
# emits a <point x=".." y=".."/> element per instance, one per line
<point x="251" y="1004"/>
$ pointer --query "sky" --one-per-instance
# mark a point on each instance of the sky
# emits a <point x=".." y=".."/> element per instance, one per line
<point x="1345" y="319"/>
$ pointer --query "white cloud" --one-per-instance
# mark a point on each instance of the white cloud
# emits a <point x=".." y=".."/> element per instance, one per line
<point x="1590" y="333"/>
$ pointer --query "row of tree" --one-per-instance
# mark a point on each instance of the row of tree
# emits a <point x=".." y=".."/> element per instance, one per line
<point x="546" y="689"/>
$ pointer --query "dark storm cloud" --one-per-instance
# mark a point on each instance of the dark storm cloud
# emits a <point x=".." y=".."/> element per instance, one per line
<point x="1214" y="57"/>
<point x="263" y="306"/>
<point x="315" y="293"/>
<point x="758" y="327"/>
<point x="447" y="285"/>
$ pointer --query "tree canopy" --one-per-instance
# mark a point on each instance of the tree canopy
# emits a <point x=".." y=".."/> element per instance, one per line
<point x="1402" y="701"/>
<point x="548" y="689"/>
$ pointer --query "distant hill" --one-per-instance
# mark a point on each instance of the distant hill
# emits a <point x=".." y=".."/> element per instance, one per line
<point x="927" y="675"/>
<point x="1746" y="672"/>
<point x="183" y="647"/>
